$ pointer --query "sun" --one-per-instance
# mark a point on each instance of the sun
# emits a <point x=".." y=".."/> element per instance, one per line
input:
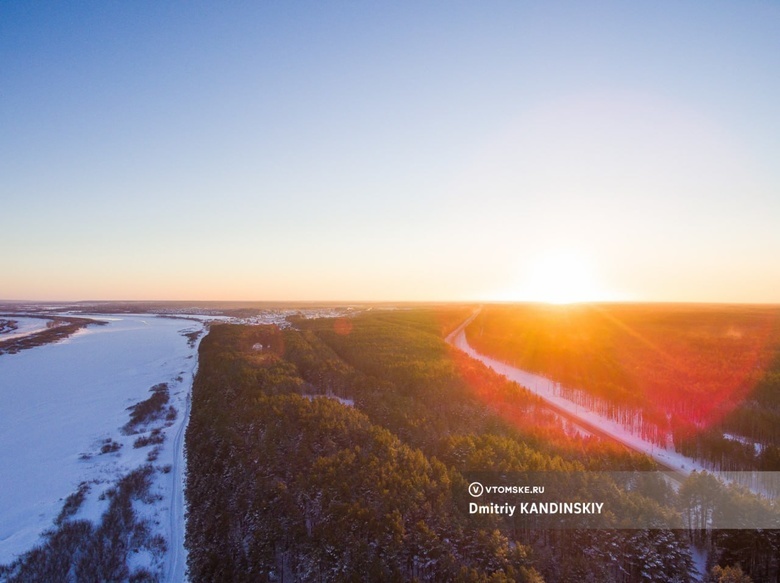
<point x="558" y="277"/>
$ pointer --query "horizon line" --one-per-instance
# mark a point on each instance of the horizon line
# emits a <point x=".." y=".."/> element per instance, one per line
<point x="396" y="302"/>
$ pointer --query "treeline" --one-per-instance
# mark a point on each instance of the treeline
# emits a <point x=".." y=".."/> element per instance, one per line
<point x="705" y="379"/>
<point x="57" y="328"/>
<point x="7" y="326"/>
<point x="285" y="485"/>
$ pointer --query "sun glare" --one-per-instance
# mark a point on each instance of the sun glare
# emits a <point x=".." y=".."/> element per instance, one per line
<point x="562" y="277"/>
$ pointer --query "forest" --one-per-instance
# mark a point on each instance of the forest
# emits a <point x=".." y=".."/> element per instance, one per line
<point x="340" y="449"/>
<point x="703" y="379"/>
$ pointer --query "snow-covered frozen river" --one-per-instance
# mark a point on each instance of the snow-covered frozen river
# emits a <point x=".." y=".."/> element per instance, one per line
<point x="24" y="326"/>
<point x="60" y="402"/>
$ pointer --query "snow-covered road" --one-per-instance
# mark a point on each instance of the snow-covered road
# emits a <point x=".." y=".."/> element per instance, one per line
<point x="177" y="559"/>
<point x="549" y="391"/>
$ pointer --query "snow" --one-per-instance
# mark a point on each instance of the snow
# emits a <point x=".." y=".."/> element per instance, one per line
<point x="59" y="403"/>
<point x="24" y="326"/>
<point x="757" y="447"/>
<point x="571" y="428"/>
<point x="699" y="557"/>
<point x="269" y="317"/>
<point x="177" y="562"/>
<point x="760" y="483"/>
<point x="343" y="401"/>
<point x="280" y="317"/>
<point x="550" y="390"/>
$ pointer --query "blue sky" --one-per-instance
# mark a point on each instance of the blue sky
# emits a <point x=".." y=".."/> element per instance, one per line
<point x="390" y="151"/>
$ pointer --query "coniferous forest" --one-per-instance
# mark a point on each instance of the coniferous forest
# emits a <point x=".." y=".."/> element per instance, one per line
<point x="338" y="450"/>
<point x="703" y="379"/>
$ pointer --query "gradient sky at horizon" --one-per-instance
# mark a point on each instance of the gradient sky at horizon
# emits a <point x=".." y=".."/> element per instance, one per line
<point x="390" y="151"/>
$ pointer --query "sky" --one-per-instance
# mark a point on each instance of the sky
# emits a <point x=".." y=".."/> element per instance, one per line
<point x="389" y="151"/>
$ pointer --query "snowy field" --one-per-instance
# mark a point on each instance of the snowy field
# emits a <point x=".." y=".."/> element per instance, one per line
<point x="63" y="408"/>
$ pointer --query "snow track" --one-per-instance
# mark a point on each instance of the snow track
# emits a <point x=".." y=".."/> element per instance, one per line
<point x="177" y="561"/>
